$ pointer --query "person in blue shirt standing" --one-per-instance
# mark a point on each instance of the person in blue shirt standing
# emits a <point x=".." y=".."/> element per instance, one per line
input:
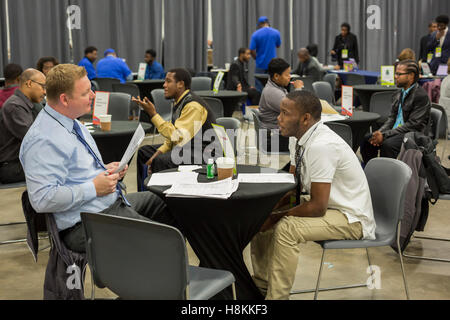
<point x="113" y="67"/>
<point x="90" y="55"/>
<point x="263" y="46"/>
<point x="154" y="69"/>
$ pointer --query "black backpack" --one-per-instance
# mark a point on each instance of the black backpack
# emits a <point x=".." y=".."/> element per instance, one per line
<point x="437" y="176"/>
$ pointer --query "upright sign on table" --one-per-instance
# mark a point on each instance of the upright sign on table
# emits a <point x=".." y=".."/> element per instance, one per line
<point x="387" y="75"/>
<point x="218" y="81"/>
<point x="101" y="103"/>
<point x="141" y="72"/>
<point x="347" y="100"/>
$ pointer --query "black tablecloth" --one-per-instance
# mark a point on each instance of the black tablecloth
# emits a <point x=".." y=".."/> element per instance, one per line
<point x="219" y="230"/>
<point x="112" y="144"/>
<point x="360" y="123"/>
<point x="365" y="92"/>
<point x="230" y="99"/>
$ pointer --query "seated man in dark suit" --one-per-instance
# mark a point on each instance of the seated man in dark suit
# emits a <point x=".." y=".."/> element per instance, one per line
<point x="410" y="112"/>
<point x="308" y="66"/>
<point x="238" y="77"/>
<point x="191" y="117"/>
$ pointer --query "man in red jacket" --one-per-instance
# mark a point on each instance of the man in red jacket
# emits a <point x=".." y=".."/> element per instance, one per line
<point x="11" y="73"/>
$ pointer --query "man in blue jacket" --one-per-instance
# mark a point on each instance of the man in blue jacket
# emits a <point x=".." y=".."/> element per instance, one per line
<point x="112" y="67"/>
<point x="154" y="69"/>
<point x="90" y="55"/>
<point x="263" y="46"/>
<point x="439" y="43"/>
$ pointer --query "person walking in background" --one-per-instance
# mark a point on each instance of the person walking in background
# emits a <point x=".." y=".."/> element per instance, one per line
<point x="263" y="46"/>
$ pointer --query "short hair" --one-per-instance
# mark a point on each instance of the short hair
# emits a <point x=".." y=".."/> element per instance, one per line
<point x="313" y="49"/>
<point x="28" y="74"/>
<point x="151" y="52"/>
<point x="346" y="25"/>
<point x="181" y="74"/>
<point x="12" y="71"/>
<point x="242" y="51"/>
<point x="61" y="79"/>
<point x="277" y="66"/>
<point x="411" y="66"/>
<point x="443" y="18"/>
<point x="41" y="61"/>
<point x="431" y="23"/>
<point x="89" y="50"/>
<point x="407" y="54"/>
<point x="306" y="102"/>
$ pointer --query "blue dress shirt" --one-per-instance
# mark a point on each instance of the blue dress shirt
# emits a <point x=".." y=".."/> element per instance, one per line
<point x="154" y="71"/>
<point x="112" y="67"/>
<point x="59" y="169"/>
<point x="87" y="64"/>
<point x="265" y="41"/>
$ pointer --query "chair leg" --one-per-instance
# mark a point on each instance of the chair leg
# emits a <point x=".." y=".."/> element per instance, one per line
<point x="320" y="273"/>
<point x="401" y="260"/>
<point x="233" y="288"/>
<point x="427" y="258"/>
<point x="92" y="285"/>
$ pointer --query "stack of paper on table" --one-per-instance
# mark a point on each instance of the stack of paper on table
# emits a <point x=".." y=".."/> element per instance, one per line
<point x="266" y="178"/>
<point x="222" y="189"/>
<point x="170" y="178"/>
<point x="332" y="117"/>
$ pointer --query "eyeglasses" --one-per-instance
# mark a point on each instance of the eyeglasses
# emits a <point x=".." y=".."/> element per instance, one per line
<point x="42" y="85"/>
<point x="398" y="74"/>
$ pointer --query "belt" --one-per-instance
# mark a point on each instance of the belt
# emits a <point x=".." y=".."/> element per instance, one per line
<point x="64" y="232"/>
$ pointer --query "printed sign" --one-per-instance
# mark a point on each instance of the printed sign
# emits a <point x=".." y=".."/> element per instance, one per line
<point x="387" y="75"/>
<point x="347" y="100"/>
<point x="225" y="142"/>
<point x="141" y="72"/>
<point x="101" y="103"/>
<point x="218" y="81"/>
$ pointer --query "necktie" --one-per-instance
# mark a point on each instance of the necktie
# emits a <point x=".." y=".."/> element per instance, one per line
<point x="298" y="164"/>
<point x="79" y="134"/>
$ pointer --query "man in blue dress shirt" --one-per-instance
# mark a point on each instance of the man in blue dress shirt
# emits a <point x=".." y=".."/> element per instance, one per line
<point x="113" y="67"/>
<point x="154" y="69"/>
<point x="64" y="170"/>
<point x="263" y="46"/>
<point x="90" y="55"/>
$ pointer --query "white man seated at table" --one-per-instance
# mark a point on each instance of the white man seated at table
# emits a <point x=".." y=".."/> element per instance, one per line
<point x="410" y="113"/>
<point x="191" y="118"/>
<point x="64" y="170"/>
<point x="269" y="105"/>
<point x="337" y="206"/>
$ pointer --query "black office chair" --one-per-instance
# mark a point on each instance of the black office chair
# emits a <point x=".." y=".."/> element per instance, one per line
<point x="119" y="106"/>
<point x="132" y="90"/>
<point x="215" y="105"/>
<point x="105" y="84"/>
<point x="342" y="130"/>
<point x="146" y="260"/>
<point x="233" y="125"/>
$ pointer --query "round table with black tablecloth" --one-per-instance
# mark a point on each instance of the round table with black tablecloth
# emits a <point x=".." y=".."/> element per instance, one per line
<point x="360" y="123"/>
<point x="365" y="92"/>
<point x="230" y="99"/>
<point x="147" y="86"/>
<point x="219" y="230"/>
<point x="113" y="144"/>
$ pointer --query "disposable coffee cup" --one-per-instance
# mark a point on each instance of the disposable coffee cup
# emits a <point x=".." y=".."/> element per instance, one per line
<point x="225" y="168"/>
<point x="105" y="122"/>
<point x="227" y="66"/>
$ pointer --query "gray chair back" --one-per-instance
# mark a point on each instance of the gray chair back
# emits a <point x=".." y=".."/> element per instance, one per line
<point x="388" y="180"/>
<point x="119" y="106"/>
<point x="163" y="106"/>
<point x="331" y="79"/>
<point x="201" y="83"/>
<point x="381" y="103"/>
<point x="136" y="259"/>
<point x="215" y="105"/>
<point x="443" y="125"/>
<point x="132" y="90"/>
<point x="354" y="79"/>
<point x="342" y="130"/>
<point x="95" y="86"/>
<point x="231" y="125"/>
<point x="323" y="91"/>
<point x="105" y="84"/>
<point x="436" y="116"/>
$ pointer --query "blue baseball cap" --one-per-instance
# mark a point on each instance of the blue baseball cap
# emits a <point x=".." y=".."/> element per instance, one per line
<point x="262" y="19"/>
<point x="108" y="51"/>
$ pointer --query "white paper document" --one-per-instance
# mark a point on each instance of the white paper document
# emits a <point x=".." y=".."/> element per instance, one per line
<point x="188" y="168"/>
<point x="222" y="189"/>
<point x="332" y="117"/>
<point x="135" y="142"/>
<point x="170" y="178"/>
<point x="266" y="178"/>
